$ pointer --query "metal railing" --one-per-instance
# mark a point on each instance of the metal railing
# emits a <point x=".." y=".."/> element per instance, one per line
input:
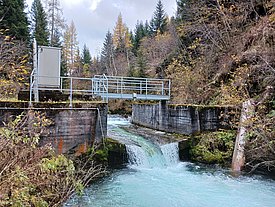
<point x="105" y="86"/>
<point x="128" y="87"/>
<point x="69" y="85"/>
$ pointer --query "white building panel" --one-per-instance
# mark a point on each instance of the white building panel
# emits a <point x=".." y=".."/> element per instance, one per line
<point x="49" y="59"/>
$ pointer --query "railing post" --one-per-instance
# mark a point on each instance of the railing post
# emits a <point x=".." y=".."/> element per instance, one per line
<point x="92" y="85"/>
<point x="97" y="86"/>
<point x="30" y="103"/>
<point x="107" y="89"/>
<point x="121" y="90"/>
<point x="146" y="87"/>
<point x="162" y="88"/>
<point x="140" y="87"/>
<point x="35" y="71"/>
<point x="117" y="85"/>
<point x="71" y="92"/>
<point x="169" y="89"/>
<point x="61" y="84"/>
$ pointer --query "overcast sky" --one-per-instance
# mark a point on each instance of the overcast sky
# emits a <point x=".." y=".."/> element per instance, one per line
<point x="93" y="18"/>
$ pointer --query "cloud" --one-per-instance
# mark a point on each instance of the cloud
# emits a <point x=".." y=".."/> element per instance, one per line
<point x="94" y="4"/>
<point x="71" y="3"/>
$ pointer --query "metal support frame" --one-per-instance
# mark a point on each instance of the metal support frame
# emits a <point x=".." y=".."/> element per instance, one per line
<point x="34" y="76"/>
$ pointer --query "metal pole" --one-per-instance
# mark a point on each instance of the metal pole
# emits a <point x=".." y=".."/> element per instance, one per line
<point x="35" y="69"/>
<point x="117" y="87"/>
<point x="30" y="103"/>
<point x="169" y="88"/>
<point x="121" y="80"/>
<point x="107" y="89"/>
<point x="162" y="86"/>
<point x="146" y="87"/>
<point x="71" y="92"/>
<point x="61" y="84"/>
<point x="92" y="85"/>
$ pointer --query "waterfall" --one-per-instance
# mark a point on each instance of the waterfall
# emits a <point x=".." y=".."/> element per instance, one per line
<point x="137" y="156"/>
<point x="143" y="153"/>
<point x="153" y="156"/>
<point x="171" y="153"/>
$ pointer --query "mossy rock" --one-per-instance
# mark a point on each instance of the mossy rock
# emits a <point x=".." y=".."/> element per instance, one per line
<point x="213" y="147"/>
<point x="112" y="153"/>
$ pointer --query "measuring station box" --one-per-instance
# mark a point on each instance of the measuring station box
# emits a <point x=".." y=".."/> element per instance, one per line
<point x="49" y="64"/>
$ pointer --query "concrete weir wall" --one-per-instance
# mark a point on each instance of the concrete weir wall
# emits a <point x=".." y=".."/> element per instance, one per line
<point x="71" y="129"/>
<point x="75" y="129"/>
<point x="178" y="118"/>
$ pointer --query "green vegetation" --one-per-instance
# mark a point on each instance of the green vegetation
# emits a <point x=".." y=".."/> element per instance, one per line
<point x="112" y="153"/>
<point x="35" y="176"/>
<point x="214" y="52"/>
<point x="14" y="20"/>
<point x="39" y="26"/>
<point x="213" y="147"/>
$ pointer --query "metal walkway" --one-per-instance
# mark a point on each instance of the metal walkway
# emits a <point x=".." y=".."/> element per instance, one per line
<point x="107" y="87"/>
<point x="117" y="87"/>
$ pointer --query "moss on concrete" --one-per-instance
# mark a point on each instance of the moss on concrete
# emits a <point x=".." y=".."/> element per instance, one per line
<point x="112" y="153"/>
<point x="213" y="147"/>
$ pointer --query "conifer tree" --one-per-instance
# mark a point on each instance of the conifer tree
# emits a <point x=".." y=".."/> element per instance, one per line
<point x="183" y="7"/>
<point x="70" y="47"/>
<point x="14" y="19"/>
<point x="86" y="61"/>
<point x="119" y="35"/>
<point x="86" y="56"/>
<point x="39" y="23"/>
<point x="139" y="34"/>
<point x="56" y="22"/>
<point x="146" y="28"/>
<point x="159" y="20"/>
<point x="107" y="54"/>
<point x="141" y="65"/>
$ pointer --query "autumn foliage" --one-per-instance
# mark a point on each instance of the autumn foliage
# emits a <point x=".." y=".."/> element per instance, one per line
<point x="31" y="175"/>
<point x="14" y="66"/>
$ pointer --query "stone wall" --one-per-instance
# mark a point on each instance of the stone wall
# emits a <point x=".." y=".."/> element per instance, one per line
<point x="72" y="129"/>
<point x="179" y="118"/>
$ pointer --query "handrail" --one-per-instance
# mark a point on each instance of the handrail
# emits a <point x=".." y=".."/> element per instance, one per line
<point x="107" y="87"/>
<point x="127" y="77"/>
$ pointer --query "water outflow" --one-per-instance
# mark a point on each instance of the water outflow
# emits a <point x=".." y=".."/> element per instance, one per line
<point x="142" y="152"/>
<point x="155" y="178"/>
<point x="153" y="156"/>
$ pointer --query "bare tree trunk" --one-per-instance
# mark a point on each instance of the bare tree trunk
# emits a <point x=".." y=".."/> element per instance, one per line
<point x="238" y="159"/>
<point x="113" y="60"/>
<point x="128" y="60"/>
<point x="53" y="20"/>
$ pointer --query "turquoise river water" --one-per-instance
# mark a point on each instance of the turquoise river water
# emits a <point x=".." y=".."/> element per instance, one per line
<point x="156" y="178"/>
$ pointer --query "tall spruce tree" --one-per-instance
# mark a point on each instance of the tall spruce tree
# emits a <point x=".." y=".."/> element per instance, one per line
<point x="183" y="7"/>
<point x="107" y="54"/>
<point x="139" y="34"/>
<point x="86" y="55"/>
<point x="39" y="23"/>
<point x="159" y="21"/>
<point x="14" y="19"/>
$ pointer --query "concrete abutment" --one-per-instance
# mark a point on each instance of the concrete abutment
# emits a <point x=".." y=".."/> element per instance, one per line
<point x="72" y="129"/>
